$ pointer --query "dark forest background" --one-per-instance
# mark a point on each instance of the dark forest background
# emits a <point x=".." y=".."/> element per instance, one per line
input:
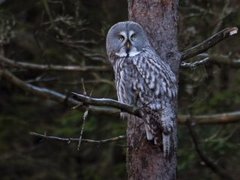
<point x="71" y="32"/>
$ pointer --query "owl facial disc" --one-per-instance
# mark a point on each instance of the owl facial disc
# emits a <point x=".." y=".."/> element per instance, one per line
<point x="127" y="49"/>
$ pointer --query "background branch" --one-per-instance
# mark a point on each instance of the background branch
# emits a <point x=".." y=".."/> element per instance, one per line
<point x="221" y="118"/>
<point x="215" y="59"/>
<point x="191" y="52"/>
<point x="113" y="105"/>
<point x="110" y="106"/>
<point x="208" y="43"/>
<point x="48" y="67"/>
<point x="42" y="92"/>
<point x="224" y="60"/>
<point x="194" y="64"/>
<point x="217" y="170"/>
<point x="69" y="140"/>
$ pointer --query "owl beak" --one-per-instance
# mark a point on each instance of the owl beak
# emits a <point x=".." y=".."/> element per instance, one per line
<point x="128" y="46"/>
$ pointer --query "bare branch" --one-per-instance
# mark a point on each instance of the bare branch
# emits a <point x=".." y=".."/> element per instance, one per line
<point x="225" y="60"/>
<point x="215" y="59"/>
<point x="69" y="140"/>
<point x="48" y="67"/>
<point x="208" y="43"/>
<point x="42" y="92"/>
<point x="223" y="118"/>
<point x="50" y="94"/>
<point x="202" y="47"/>
<point x="110" y="106"/>
<point x="107" y="102"/>
<point x="194" y="64"/>
<point x="203" y="157"/>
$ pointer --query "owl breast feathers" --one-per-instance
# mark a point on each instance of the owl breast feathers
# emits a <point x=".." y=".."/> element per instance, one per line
<point x="143" y="80"/>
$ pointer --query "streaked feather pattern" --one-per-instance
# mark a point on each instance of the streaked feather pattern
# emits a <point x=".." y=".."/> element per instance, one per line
<point x="148" y="82"/>
<point x="144" y="80"/>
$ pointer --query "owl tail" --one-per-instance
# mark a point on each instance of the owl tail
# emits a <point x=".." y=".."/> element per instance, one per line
<point x="148" y="132"/>
<point x="166" y="140"/>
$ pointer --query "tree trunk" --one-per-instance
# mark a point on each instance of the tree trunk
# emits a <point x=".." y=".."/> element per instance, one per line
<point x="159" y="19"/>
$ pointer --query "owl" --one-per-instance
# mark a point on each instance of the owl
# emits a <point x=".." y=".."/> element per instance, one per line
<point x="143" y="80"/>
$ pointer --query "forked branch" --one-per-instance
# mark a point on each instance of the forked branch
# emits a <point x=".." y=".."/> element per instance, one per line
<point x="106" y="102"/>
<point x="109" y="106"/>
<point x="208" y="43"/>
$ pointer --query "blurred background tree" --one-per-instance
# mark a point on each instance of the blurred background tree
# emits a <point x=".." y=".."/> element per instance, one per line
<point x="70" y="32"/>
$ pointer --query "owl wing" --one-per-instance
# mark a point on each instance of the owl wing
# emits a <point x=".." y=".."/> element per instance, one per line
<point x="156" y="96"/>
<point x="158" y="78"/>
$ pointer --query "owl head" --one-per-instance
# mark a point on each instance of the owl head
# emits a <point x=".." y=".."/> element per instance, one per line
<point x="126" y="39"/>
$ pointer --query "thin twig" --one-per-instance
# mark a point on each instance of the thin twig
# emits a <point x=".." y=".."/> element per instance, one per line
<point x="203" y="157"/>
<point x="48" y="11"/>
<point x="69" y="140"/>
<point x="82" y="129"/>
<point x="194" y="64"/>
<point x="225" y="12"/>
<point x="208" y="43"/>
<point x="48" y="67"/>
<point x="85" y="114"/>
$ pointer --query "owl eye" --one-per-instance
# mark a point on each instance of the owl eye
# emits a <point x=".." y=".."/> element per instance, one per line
<point x="133" y="37"/>
<point x="121" y="38"/>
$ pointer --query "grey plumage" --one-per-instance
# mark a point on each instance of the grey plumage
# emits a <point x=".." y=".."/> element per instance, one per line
<point x="144" y="80"/>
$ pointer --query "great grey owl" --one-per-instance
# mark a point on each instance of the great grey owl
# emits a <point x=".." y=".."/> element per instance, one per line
<point x="143" y="80"/>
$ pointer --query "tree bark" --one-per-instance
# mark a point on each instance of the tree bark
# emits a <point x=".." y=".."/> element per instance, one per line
<point x="159" y="19"/>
